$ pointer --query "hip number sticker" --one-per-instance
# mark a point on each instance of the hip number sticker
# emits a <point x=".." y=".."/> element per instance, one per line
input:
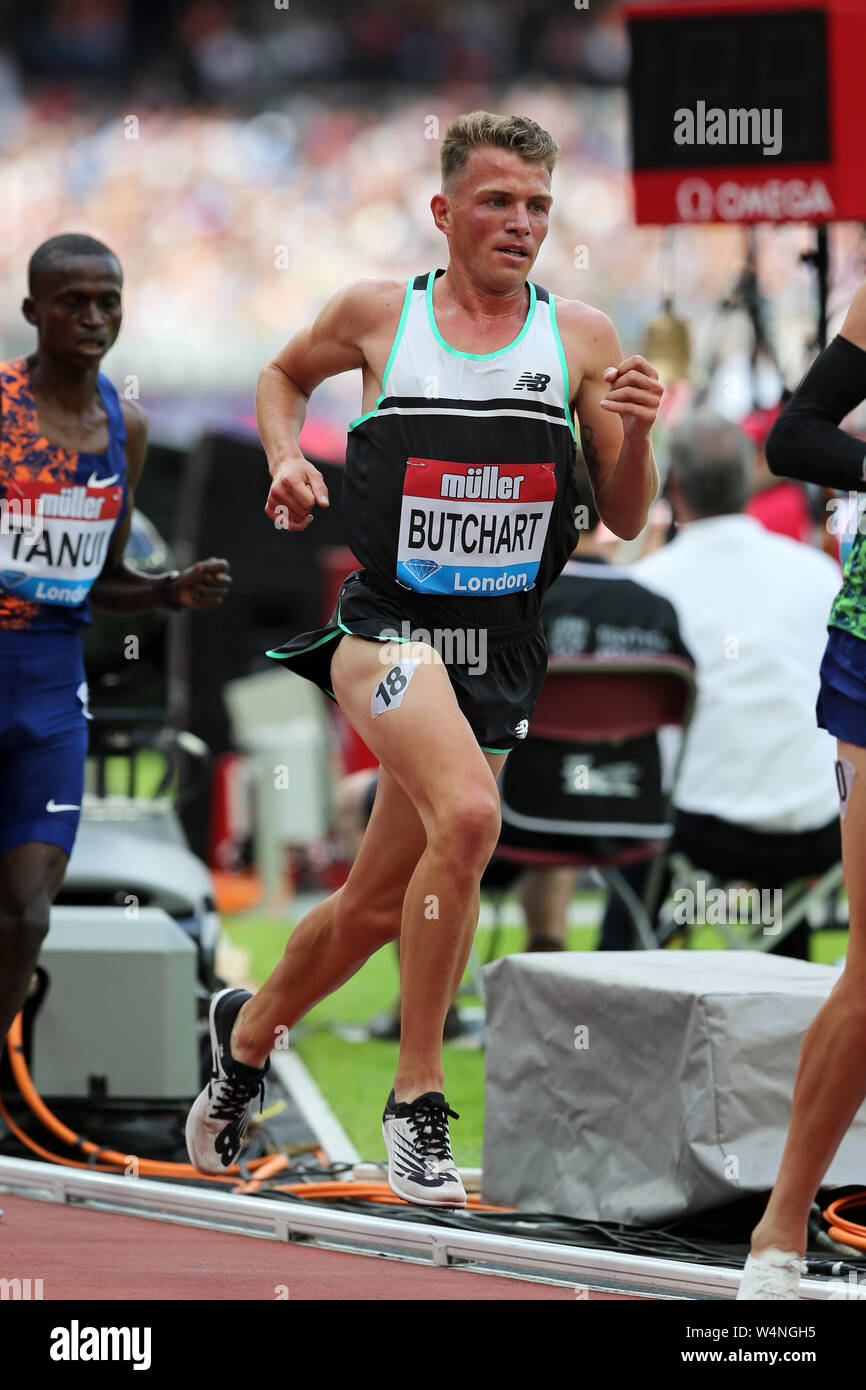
<point x="391" y="689"/>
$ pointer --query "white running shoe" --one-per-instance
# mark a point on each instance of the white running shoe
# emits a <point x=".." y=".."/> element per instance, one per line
<point x="420" y="1166"/>
<point x="216" y="1126"/>
<point x="774" y="1274"/>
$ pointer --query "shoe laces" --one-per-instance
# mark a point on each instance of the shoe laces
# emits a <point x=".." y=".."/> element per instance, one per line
<point x="428" y="1120"/>
<point x="235" y="1095"/>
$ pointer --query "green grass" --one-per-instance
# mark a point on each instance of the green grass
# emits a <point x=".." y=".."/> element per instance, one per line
<point x="149" y="768"/>
<point x="355" y="1077"/>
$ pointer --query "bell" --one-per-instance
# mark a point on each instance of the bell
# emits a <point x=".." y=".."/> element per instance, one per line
<point x="667" y="345"/>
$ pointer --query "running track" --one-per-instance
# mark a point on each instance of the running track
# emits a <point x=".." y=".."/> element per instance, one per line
<point x="83" y="1254"/>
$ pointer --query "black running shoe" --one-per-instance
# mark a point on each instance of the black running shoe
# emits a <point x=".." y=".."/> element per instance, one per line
<point x="216" y="1126"/>
<point x="420" y="1166"/>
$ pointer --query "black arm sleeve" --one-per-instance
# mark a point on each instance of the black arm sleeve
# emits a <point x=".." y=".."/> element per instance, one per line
<point x="805" y="441"/>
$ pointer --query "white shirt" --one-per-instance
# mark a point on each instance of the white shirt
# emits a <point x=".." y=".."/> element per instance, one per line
<point x="753" y="609"/>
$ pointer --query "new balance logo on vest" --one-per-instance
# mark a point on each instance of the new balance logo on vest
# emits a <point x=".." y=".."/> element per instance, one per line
<point x="532" y="381"/>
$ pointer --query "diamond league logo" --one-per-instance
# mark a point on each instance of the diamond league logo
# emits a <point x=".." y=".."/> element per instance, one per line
<point x="11" y="579"/>
<point x="422" y="569"/>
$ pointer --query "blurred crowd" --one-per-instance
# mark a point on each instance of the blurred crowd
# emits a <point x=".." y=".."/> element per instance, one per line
<point x="257" y="159"/>
<point x="232" y="231"/>
<point x="236" y="208"/>
<point x="219" y="48"/>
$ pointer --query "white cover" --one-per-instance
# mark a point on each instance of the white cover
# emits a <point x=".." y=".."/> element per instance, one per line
<point x="680" y="1098"/>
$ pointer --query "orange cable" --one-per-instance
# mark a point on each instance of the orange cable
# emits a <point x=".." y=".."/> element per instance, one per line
<point x="848" y="1238"/>
<point x="264" y="1168"/>
<point x="841" y="1229"/>
<point x="147" y="1167"/>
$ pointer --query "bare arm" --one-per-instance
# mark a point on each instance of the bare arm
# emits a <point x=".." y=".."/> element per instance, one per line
<point x="617" y="451"/>
<point x="337" y="341"/>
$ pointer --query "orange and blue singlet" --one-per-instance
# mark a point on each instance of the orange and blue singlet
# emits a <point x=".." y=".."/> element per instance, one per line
<point x="59" y="509"/>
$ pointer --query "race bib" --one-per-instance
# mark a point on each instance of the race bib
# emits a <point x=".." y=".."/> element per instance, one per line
<point x="54" y="538"/>
<point x="474" y="529"/>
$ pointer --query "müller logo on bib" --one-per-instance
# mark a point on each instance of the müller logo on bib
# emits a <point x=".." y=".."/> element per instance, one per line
<point x="54" y="538"/>
<point x="473" y="528"/>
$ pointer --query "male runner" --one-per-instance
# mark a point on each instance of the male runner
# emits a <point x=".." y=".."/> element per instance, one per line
<point x="459" y="499"/>
<point x="806" y="443"/>
<point x="71" y="455"/>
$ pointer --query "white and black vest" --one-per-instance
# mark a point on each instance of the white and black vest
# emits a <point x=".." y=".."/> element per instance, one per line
<point x="460" y="484"/>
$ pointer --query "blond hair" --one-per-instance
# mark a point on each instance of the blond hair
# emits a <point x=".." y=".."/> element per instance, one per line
<point x="517" y="133"/>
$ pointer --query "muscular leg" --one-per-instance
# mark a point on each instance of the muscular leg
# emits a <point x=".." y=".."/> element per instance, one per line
<point x="335" y="938"/>
<point x="427" y="848"/>
<point x="30" y="876"/>
<point x="428" y="746"/>
<point x="831" y="1077"/>
<point x="496" y="762"/>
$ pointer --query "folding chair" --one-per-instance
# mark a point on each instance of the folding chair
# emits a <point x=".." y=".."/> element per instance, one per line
<point x="799" y="897"/>
<point x="590" y="706"/>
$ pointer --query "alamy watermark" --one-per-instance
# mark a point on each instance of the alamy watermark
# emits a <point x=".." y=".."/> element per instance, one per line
<point x="21" y="516"/>
<point x="853" y="1289"/>
<point x="77" y="1343"/>
<point x="846" y="516"/>
<point x="720" y="906"/>
<point x="20" y="1290"/>
<point x="465" y="646"/>
<point x="736" y="126"/>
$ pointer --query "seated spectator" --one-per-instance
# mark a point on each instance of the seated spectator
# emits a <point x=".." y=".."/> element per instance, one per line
<point x="756" y="798"/>
<point x="593" y="608"/>
<point x="353" y="805"/>
<point x="780" y="504"/>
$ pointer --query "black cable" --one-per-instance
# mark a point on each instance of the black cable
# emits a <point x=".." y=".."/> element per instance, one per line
<point x="564" y="1230"/>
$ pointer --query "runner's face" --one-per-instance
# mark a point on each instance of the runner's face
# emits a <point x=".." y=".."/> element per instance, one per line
<point x="78" y="310"/>
<point x="498" y="216"/>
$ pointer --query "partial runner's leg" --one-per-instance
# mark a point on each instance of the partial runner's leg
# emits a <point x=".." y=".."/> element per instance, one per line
<point x="434" y="826"/>
<point x="423" y="739"/>
<point x="352" y="810"/>
<point x="831" y="1078"/>
<point x="545" y="895"/>
<point x="30" y="876"/>
<point x="328" y="946"/>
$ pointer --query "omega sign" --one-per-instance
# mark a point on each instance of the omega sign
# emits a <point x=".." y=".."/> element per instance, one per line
<point x="772" y="200"/>
<point x="747" y="111"/>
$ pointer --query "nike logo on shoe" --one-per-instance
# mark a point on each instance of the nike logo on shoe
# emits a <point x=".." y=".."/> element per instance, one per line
<point x="53" y="805"/>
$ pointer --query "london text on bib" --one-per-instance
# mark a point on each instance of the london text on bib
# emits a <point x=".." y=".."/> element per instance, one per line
<point x="473" y="528"/>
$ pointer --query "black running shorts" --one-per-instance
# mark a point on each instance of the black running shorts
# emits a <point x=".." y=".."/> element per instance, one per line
<point x="496" y="674"/>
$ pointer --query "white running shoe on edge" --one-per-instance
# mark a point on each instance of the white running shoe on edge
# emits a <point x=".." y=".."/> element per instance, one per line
<point x="420" y="1166"/>
<point x="774" y="1274"/>
<point x="216" y="1126"/>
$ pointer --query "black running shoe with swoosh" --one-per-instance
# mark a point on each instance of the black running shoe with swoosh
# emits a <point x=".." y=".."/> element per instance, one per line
<point x="421" y="1168"/>
<point x="216" y="1127"/>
